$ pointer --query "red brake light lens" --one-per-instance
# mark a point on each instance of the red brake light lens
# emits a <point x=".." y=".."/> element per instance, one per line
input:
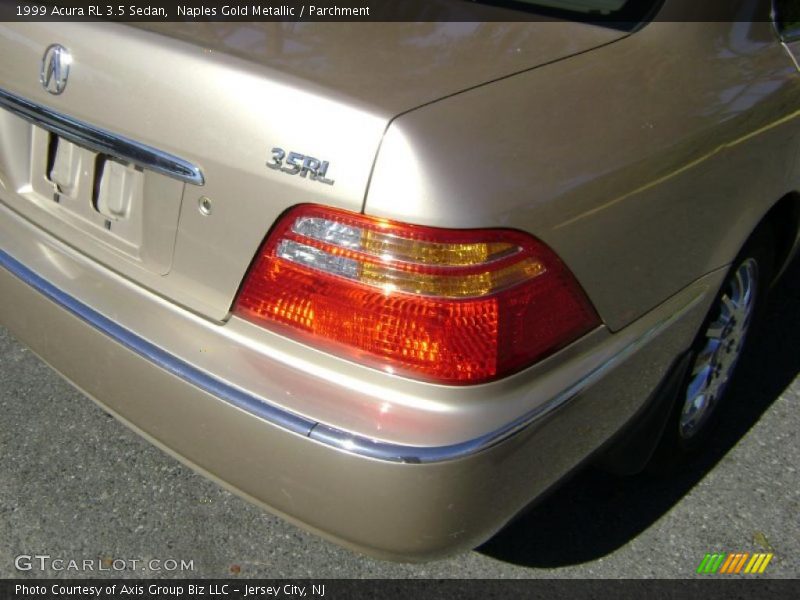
<point x="441" y="305"/>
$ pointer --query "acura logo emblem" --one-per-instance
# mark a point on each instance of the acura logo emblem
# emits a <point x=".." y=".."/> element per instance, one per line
<point x="55" y="69"/>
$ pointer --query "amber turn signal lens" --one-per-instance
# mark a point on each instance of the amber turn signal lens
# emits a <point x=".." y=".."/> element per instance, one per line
<point x="446" y="306"/>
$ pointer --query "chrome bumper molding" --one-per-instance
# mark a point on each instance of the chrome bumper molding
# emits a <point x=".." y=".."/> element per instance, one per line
<point x="341" y="440"/>
<point x="156" y="355"/>
<point x="102" y="141"/>
<point x="408" y="454"/>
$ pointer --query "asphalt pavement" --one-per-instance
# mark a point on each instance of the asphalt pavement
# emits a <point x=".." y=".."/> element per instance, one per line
<point x="77" y="485"/>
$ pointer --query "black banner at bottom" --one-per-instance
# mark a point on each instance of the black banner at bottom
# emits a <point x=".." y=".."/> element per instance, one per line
<point x="390" y="589"/>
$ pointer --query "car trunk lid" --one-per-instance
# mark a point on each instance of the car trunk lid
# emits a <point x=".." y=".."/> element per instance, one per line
<point x="394" y="67"/>
<point x="221" y="96"/>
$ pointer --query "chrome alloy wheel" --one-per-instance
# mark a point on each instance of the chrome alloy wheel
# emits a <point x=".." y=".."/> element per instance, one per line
<point x="722" y="345"/>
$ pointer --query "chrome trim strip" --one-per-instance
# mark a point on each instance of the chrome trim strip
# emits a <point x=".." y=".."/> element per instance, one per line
<point x="341" y="440"/>
<point x="156" y="355"/>
<point x="792" y="57"/>
<point x="102" y="141"/>
<point x="411" y="454"/>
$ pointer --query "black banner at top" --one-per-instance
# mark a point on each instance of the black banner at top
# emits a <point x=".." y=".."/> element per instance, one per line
<point x="623" y="13"/>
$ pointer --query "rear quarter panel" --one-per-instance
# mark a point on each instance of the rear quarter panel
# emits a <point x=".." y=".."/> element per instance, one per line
<point x="645" y="163"/>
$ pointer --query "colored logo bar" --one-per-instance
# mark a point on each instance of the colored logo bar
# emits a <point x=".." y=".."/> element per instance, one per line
<point x="734" y="563"/>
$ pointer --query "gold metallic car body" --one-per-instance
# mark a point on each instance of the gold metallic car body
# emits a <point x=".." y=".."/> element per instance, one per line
<point x="645" y="159"/>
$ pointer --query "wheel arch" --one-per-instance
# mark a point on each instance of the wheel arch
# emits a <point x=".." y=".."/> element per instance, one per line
<point x="783" y="218"/>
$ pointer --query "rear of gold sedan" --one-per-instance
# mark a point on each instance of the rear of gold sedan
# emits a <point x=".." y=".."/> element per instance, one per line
<point x="171" y="375"/>
<point x="389" y="301"/>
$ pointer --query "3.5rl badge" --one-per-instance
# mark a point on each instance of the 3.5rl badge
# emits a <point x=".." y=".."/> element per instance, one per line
<point x="294" y="163"/>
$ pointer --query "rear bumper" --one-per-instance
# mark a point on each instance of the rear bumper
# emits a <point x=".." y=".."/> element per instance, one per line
<point x="386" y="497"/>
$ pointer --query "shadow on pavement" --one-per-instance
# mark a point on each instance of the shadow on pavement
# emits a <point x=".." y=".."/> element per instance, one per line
<point x="594" y="513"/>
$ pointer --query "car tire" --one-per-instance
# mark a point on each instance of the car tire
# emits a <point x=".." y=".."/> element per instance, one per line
<point x="717" y="353"/>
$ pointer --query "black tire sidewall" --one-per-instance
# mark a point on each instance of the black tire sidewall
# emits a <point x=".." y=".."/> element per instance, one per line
<point x="674" y="448"/>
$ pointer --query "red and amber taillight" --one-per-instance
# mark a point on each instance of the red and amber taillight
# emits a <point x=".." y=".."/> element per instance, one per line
<point x="442" y="305"/>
